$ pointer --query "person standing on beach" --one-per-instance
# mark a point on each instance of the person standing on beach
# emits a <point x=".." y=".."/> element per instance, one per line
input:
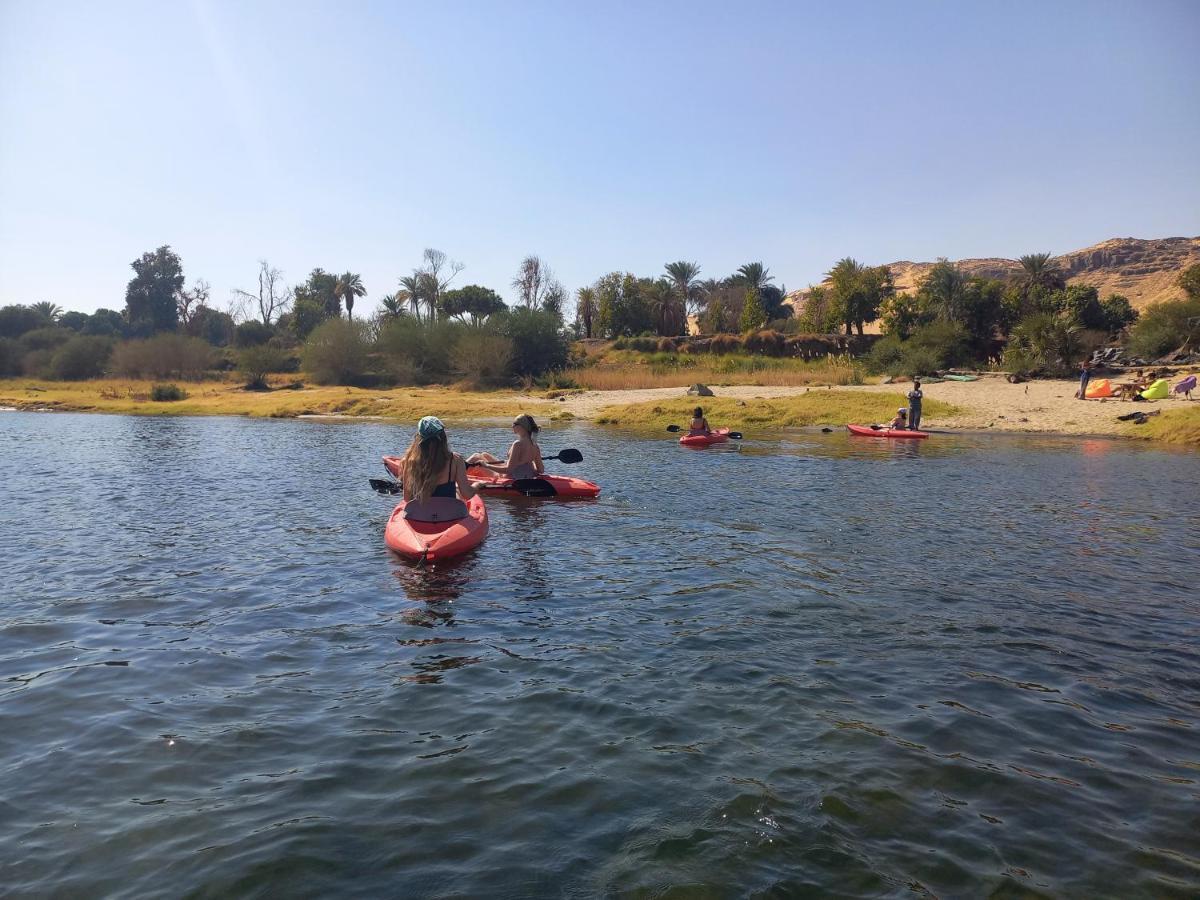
<point x="1085" y="375"/>
<point x="914" y="406"/>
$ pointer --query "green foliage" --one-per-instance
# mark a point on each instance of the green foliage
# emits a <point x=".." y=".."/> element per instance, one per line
<point x="481" y="357"/>
<point x="11" y="355"/>
<point x="348" y="287"/>
<point x="622" y="307"/>
<point x="314" y="301"/>
<point x="1164" y="327"/>
<point x="212" y="325"/>
<point x="857" y="291"/>
<point x="684" y="275"/>
<point x="17" y="319"/>
<point x="819" y="316"/>
<point x="83" y="356"/>
<point x="256" y="361"/>
<point x="753" y="316"/>
<point x="1044" y="343"/>
<point x="722" y="344"/>
<point x="162" y="356"/>
<point x="151" y="298"/>
<point x="538" y="344"/>
<point x="337" y="352"/>
<point x="1189" y="280"/>
<point x="73" y="321"/>
<point x="105" y="323"/>
<point x="252" y="334"/>
<point x="48" y="338"/>
<point x="49" y="312"/>
<point x="931" y="347"/>
<point x="415" y="351"/>
<point x="1118" y="313"/>
<point x="641" y="344"/>
<point x="473" y="301"/>
<point x="167" y="393"/>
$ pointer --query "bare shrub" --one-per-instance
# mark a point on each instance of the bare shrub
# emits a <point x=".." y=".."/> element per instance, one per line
<point x="162" y="356"/>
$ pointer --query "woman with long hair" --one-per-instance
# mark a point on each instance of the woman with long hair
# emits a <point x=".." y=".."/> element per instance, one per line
<point x="429" y="469"/>
<point x="524" y="456"/>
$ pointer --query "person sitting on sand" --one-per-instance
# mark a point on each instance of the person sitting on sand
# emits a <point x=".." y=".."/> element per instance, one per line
<point x="901" y="420"/>
<point x="429" y="469"/>
<point x="699" y="423"/>
<point x="524" y="456"/>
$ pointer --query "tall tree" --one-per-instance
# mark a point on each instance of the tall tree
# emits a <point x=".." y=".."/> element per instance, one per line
<point x="315" y="301"/>
<point x="755" y="275"/>
<point x="686" y="276"/>
<point x="474" y="301"/>
<point x="531" y="281"/>
<point x="1039" y="277"/>
<point x="434" y="276"/>
<point x="190" y="301"/>
<point x="49" y="312"/>
<point x="272" y="299"/>
<point x="585" y="308"/>
<point x="410" y="292"/>
<point x="152" y="295"/>
<point x="349" y="286"/>
<point x="554" y="298"/>
<point x="753" y="317"/>
<point x="393" y="306"/>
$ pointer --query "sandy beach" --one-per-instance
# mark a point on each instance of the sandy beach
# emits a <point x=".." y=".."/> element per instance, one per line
<point x="991" y="403"/>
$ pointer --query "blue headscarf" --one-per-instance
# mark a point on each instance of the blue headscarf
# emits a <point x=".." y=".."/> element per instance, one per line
<point x="430" y="426"/>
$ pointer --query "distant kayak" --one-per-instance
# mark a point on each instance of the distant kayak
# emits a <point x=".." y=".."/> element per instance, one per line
<point x="900" y="433"/>
<point x="436" y="541"/>
<point x="960" y="377"/>
<point x="716" y="436"/>
<point x="563" y="486"/>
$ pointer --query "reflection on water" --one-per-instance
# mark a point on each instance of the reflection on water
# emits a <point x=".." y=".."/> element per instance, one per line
<point x="802" y="664"/>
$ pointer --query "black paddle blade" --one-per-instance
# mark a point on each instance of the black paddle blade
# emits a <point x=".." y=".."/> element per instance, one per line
<point x="535" y="487"/>
<point x="735" y="435"/>
<point x="383" y="486"/>
<point x="673" y="428"/>
<point x="567" y="456"/>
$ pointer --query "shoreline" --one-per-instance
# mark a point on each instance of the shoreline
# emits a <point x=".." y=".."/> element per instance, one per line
<point x="987" y="406"/>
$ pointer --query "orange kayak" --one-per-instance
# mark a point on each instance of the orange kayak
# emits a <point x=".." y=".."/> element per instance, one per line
<point x="716" y="436"/>
<point x="867" y="431"/>
<point x="564" y="486"/>
<point x="436" y="541"/>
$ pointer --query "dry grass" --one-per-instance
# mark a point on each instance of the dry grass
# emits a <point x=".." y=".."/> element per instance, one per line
<point x="623" y="371"/>
<point x="218" y="398"/>
<point x="1176" y="426"/>
<point x="817" y="407"/>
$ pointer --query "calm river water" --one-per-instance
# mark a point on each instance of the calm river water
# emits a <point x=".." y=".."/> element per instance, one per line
<point x="811" y="666"/>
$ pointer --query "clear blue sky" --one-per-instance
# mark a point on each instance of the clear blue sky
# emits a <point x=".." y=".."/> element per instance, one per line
<point x="600" y="136"/>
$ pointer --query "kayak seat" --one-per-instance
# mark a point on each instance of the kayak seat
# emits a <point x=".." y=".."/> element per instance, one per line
<point x="435" y="509"/>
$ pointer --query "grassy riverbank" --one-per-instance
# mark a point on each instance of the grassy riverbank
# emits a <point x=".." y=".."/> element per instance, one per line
<point x="816" y="407"/>
<point x="1174" y="426"/>
<point x="218" y="398"/>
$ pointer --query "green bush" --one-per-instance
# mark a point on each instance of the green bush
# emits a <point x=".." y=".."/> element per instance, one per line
<point x="11" y="356"/>
<point x="538" y="343"/>
<point x="167" y="393"/>
<point x="162" y="356"/>
<point x="482" y="357"/>
<point x="257" y="361"/>
<point x="338" y="352"/>
<point x="1044" y="343"/>
<point x="1164" y="327"/>
<point x="932" y="347"/>
<point x="252" y="334"/>
<point x="49" y="338"/>
<point x="36" y="363"/>
<point x="19" y="319"/>
<point x="415" y="352"/>
<point x="84" y="356"/>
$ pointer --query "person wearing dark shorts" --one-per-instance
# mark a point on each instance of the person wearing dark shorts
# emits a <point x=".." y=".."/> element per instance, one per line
<point x="914" y="406"/>
<point x="1085" y="375"/>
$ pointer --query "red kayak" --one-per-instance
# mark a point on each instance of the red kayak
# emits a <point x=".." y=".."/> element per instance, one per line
<point x="564" y="486"/>
<point x="716" y="436"/>
<point x="902" y="433"/>
<point x="437" y="540"/>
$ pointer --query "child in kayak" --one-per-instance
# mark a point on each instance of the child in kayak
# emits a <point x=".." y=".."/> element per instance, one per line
<point x="524" y="456"/>
<point x="430" y="470"/>
<point x="699" y="423"/>
<point x="900" y="423"/>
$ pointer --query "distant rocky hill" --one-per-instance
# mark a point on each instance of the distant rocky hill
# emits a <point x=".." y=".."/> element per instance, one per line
<point x="1144" y="271"/>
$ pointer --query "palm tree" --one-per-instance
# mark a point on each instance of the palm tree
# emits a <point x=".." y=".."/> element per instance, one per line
<point x="1039" y="270"/>
<point x="846" y="286"/>
<point x="348" y="287"/>
<point x="47" y="310"/>
<point x="684" y="275"/>
<point x="393" y="305"/>
<point x="585" y="308"/>
<point x="755" y="275"/>
<point x="410" y="293"/>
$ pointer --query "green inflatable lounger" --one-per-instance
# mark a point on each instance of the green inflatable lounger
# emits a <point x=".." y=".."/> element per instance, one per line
<point x="1157" y="391"/>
